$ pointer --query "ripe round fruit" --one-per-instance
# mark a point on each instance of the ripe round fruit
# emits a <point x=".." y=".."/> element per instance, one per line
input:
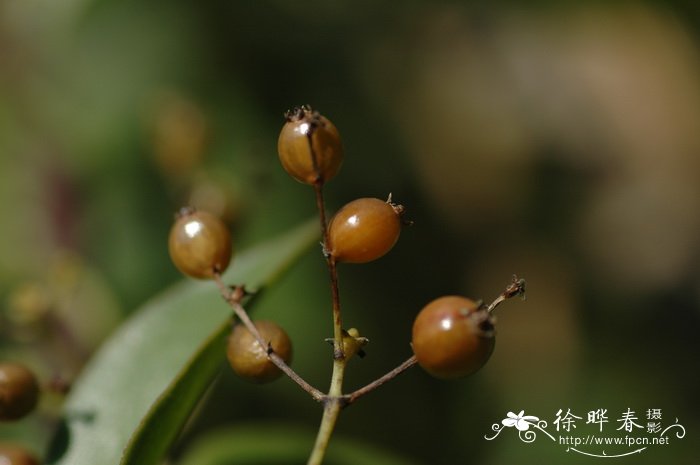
<point x="364" y="230"/>
<point x="453" y="337"/>
<point x="11" y="454"/>
<point x="249" y="360"/>
<point x="199" y="244"/>
<point x="19" y="391"/>
<point x="309" y="146"/>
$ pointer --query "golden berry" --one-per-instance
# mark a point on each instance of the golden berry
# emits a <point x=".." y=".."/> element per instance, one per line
<point x="199" y="244"/>
<point x="19" y="391"/>
<point x="364" y="230"/>
<point x="453" y="337"/>
<point x="309" y="146"/>
<point x="249" y="359"/>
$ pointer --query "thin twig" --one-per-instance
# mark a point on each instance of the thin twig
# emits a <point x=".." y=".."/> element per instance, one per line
<point x="350" y="398"/>
<point x="515" y="288"/>
<point x="332" y="272"/>
<point x="233" y="298"/>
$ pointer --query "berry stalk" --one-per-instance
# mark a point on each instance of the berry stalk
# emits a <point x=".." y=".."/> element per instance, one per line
<point x="350" y="398"/>
<point x="333" y="274"/>
<point x="233" y="298"/>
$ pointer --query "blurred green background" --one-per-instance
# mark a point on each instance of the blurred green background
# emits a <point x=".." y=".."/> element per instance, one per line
<point x="558" y="141"/>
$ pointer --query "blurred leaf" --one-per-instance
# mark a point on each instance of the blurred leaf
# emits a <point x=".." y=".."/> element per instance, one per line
<point x="167" y="415"/>
<point x="261" y="444"/>
<point x="148" y="352"/>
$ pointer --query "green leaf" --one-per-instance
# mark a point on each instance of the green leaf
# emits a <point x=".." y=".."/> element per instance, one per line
<point x="172" y="348"/>
<point x="161" y="425"/>
<point x="273" y="444"/>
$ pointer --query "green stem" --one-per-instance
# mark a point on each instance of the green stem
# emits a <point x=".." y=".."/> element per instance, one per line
<point x="334" y="402"/>
<point x="330" y="416"/>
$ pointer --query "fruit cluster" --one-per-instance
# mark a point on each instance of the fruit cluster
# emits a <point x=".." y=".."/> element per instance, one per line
<point x="452" y="336"/>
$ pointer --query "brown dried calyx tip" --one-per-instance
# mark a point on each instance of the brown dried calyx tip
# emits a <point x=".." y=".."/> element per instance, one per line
<point x="515" y="288"/>
<point x="400" y="211"/>
<point x="237" y="293"/>
<point x="302" y="112"/>
<point x="185" y="211"/>
<point x="306" y="113"/>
